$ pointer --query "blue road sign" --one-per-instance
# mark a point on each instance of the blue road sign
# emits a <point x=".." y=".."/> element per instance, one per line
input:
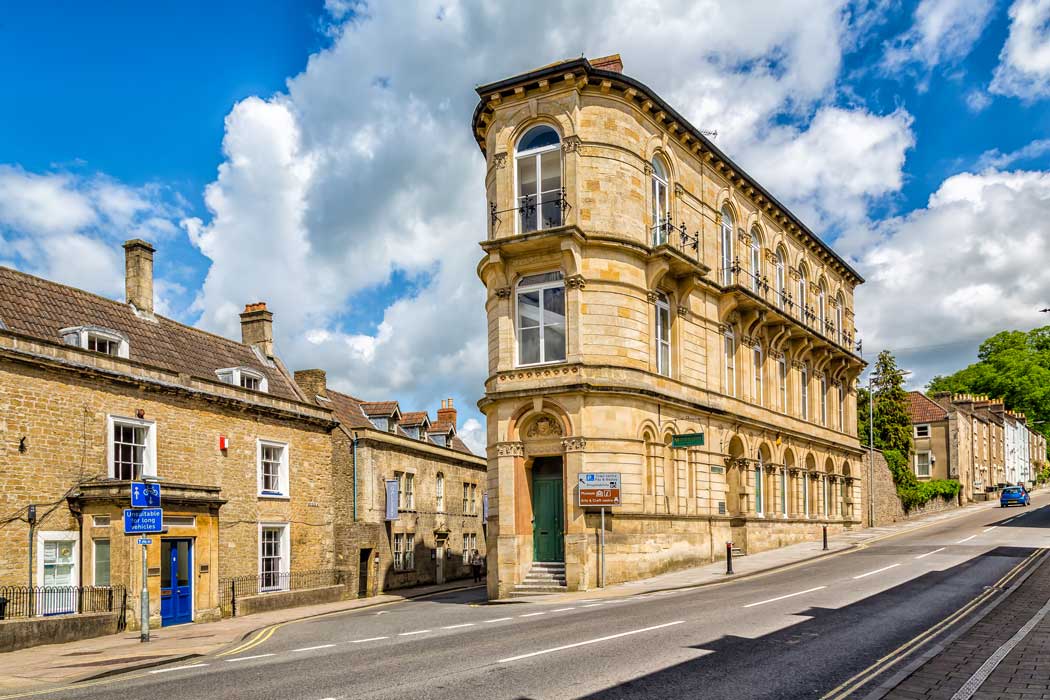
<point x="143" y="520"/>
<point x="145" y="495"/>
<point x="145" y="540"/>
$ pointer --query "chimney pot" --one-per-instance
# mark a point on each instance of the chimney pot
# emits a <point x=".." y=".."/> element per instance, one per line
<point x="257" y="327"/>
<point x="447" y="412"/>
<point x="138" y="274"/>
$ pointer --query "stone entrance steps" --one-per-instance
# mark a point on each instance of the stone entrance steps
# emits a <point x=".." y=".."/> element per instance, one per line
<point x="544" y="577"/>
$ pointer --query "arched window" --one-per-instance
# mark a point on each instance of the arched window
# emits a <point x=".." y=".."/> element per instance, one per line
<point x="661" y="202"/>
<point x="439" y="492"/>
<point x="756" y="259"/>
<point x="823" y="400"/>
<point x="803" y="386"/>
<point x="803" y="283"/>
<point x="541" y="318"/>
<point x="759" y="496"/>
<point x="841" y="393"/>
<point x="758" y="371"/>
<point x="538" y="170"/>
<point x="730" y="362"/>
<point x="663" y="335"/>
<point x="840" y="305"/>
<point x="650" y="463"/>
<point x="781" y="278"/>
<point x="727" y="247"/>
<point x="822" y="306"/>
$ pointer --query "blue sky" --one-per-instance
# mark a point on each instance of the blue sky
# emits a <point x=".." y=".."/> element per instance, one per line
<point x="317" y="155"/>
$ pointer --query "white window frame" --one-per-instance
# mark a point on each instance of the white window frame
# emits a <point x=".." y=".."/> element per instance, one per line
<point x="540" y="287"/>
<point x="439" y="492"/>
<point x="803" y="381"/>
<point x="783" y="492"/>
<point x="410" y="491"/>
<point x="805" y="494"/>
<point x="94" y="561"/>
<point x="43" y="536"/>
<point x="840" y="332"/>
<point x="841" y="391"/>
<point x="234" y="375"/>
<point x="760" y="494"/>
<point x="727" y="235"/>
<point x="781" y="278"/>
<point x="730" y="362"/>
<point x="824" y="400"/>
<point x="78" y="336"/>
<point x="407" y="560"/>
<point x="922" y="425"/>
<point x="803" y="291"/>
<point x="282" y="477"/>
<point x="537" y="155"/>
<point x="285" y="554"/>
<point x="663" y="335"/>
<point x="661" y="196"/>
<point x="929" y="464"/>
<point x="149" y="455"/>
<point x="822" y="305"/>
<point x="782" y="371"/>
<point x="758" y="359"/>
<point x="756" y="260"/>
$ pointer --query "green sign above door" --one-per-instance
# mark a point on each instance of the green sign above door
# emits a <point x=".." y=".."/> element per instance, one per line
<point x="688" y="440"/>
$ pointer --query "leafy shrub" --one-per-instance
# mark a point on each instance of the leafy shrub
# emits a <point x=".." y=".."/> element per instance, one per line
<point x="912" y="492"/>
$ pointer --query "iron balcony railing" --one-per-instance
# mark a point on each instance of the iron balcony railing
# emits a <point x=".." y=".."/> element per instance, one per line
<point x="737" y="275"/>
<point x="233" y="588"/>
<point x="34" y="601"/>
<point x="664" y="232"/>
<point x="534" y="212"/>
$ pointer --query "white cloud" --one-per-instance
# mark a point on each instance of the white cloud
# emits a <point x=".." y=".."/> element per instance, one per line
<point x="1024" y="62"/>
<point x="977" y="100"/>
<point x="969" y="264"/>
<point x="995" y="158"/>
<point x="943" y="31"/>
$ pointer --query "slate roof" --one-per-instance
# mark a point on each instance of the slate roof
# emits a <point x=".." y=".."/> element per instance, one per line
<point x="349" y="411"/>
<point x="40" y="308"/>
<point x="922" y="409"/>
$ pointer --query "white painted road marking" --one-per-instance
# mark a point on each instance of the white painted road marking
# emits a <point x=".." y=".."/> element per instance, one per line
<point x="178" y="668"/>
<point x="533" y="614"/>
<point x="921" y="556"/>
<point x="409" y="634"/>
<point x="248" y="658"/>
<point x="590" y="605"/>
<point x="966" y="539"/>
<point x="990" y="529"/>
<point x="1006" y="522"/>
<point x="370" y="639"/>
<point x="558" y="610"/>
<point x="456" y="627"/>
<point x="789" y="595"/>
<point x="877" y="571"/>
<point x="500" y="619"/>
<point x="590" y="641"/>
<point x="319" y="646"/>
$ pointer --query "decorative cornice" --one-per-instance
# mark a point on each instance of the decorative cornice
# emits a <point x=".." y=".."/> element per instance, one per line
<point x="771" y="257"/>
<point x="574" y="444"/>
<point x="797" y="364"/>
<point x="794" y="273"/>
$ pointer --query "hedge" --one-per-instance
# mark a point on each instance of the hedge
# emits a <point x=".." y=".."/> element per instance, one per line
<point x="912" y="492"/>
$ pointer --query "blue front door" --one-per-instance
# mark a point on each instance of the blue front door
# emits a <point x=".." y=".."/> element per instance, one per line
<point x="176" y="594"/>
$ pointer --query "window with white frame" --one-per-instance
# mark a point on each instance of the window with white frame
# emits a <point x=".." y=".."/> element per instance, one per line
<point x="541" y="319"/>
<point x="802" y="289"/>
<point x="243" y="377"/>
<point x="470" y="546"/>
<point x="781" y="278"/>
<point x="473" y="499"/>
<point x="823" y="400"/>
<point x="97" y="339"/>
<point x="727" y="247"/>
<point x="822" y="305"/>
<point x="839" y="330"/>
<point x="100" y="559"/>
<point x="782" y="377"/>
<point x="661" y="202"/>
<point x="758" y="359"/>
<point x="132" y="448"/>
<point x="922" y="464"/>
<point x="759" y="496"/>
<point x="274" y="557"/>
<point x="404" y="551"/>
<point x="58" y="560"/>
<point x="805" y="494"/>
<point x="466" y="498"/>
<point x="730" y="362"/>
<point x="756" y="260"/>
<point x="406" y="486"/>
<point x="663" y="336"/>
<point x="439" y="492"/>
<point x="841" y="392"/>
<point x="803" y="385"/>
<point x="272" y="460"/>
<point x="922" y="431"/>
<point x="538" y="171"/>
<point x="783" y="492"/>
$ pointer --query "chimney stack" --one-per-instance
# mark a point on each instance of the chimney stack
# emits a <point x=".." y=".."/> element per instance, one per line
<point x="313" y="382"/>
<point x="257" y="327"/>
<point x="610" y="63"/>
<point x="447" y="413"/>
<point x="138" y="274"/>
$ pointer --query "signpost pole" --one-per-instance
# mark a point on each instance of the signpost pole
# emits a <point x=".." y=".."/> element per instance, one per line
<point x="144" y="602"/>
<point x="603" y="547"/>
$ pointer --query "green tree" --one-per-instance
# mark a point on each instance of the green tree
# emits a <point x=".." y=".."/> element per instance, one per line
<point x="892" y="424"/>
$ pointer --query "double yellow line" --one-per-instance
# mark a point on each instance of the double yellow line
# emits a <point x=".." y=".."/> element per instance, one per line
<point x="900" y="653"/>
<point x="259" y="637"/>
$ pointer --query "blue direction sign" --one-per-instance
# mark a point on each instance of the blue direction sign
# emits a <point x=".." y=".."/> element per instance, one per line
<point x="145" y="495"/>
<point x="143" y="520"/>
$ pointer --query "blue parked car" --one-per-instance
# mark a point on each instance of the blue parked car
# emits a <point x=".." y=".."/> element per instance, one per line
<point x="1013" y="495"/>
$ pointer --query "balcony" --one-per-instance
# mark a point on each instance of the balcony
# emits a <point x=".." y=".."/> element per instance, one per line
<point x="745" y="291"/>
<point x="533" y="212"/>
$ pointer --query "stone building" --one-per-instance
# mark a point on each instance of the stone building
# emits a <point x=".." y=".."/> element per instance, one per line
<point x="644" y="291"/>
<point x="441" y="486"/>
<point x="95" y="394"/>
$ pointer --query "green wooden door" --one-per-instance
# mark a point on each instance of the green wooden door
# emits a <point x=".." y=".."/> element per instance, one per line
<point x="547" y="539"/>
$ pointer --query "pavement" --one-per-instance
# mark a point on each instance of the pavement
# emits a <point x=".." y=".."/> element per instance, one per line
<point x="448" y="628"/>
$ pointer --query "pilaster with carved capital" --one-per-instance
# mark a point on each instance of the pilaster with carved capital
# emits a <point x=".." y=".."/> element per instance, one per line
<point x="574" y="444"/>
<point x="510" y="449"/>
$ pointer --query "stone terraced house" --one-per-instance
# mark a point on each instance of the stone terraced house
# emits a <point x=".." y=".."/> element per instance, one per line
<point x="642" y="291"/>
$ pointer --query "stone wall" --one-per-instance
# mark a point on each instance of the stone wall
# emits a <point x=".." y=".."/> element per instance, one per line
<point x="24" y="633"/>
<point x="278" y="600"/>
<point x="888" y="508"/>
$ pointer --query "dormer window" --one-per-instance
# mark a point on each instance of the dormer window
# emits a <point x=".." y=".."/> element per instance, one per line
<point x="243" y="377"/>
<point x="96" y="339"/>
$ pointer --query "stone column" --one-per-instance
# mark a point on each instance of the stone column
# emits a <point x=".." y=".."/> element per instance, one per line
<point x="503" y="539"/>
<point x="580" y="573"/>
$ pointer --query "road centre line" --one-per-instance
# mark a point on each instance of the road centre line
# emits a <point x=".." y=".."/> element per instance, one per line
<point x="988" y="529"/>
<point x="533" y="614"/>
<point x="319" y="646"/>
<point x="590" y="605"/>
<point x="456" y="627"/>
<point x="248" y="658"/>
<point x="500" y="619"/>
<point x="589" y="641"/>
<point x="789" y="595"/>
<point x="558" y="610"/>
<point x="178" y="668"/>
<point x="370" y="639"/>
<point x="923" y="556"/>
<point x="409" y="634"/>
<point x="966" y="539"/>
<point x="877" y="571"/>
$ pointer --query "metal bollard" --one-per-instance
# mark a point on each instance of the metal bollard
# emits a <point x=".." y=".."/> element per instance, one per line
<point x="729" y="558"/>
<point x="825" y="528"/>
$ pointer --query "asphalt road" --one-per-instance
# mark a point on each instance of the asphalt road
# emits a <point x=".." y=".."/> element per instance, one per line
<point x="796" y="633"/>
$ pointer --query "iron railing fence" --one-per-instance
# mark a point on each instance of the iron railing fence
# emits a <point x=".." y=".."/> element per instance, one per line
<point x="232" y="588"/>
<point x="34" y="601"/>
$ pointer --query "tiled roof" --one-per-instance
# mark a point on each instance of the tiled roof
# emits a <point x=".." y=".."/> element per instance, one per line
<point x="379" y="408"/>
<point x="348" y="411"/>
<point x="40" y="308"/>
<point x="414" y="418"/>
<point x="924" y="410"/>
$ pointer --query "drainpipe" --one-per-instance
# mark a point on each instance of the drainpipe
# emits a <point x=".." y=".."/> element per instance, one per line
<point x="355" y="475"/>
